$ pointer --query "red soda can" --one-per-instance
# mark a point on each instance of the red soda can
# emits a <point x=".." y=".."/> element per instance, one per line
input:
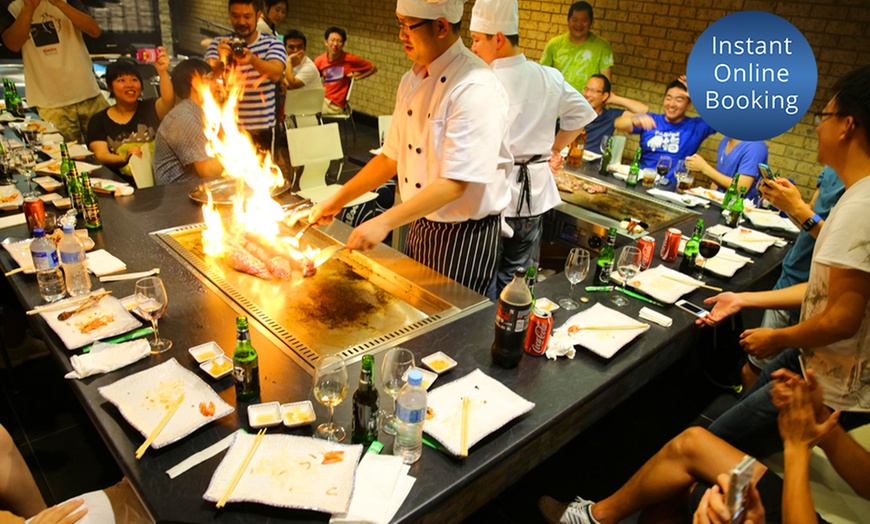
<point x="647" y="247"/>
<point x="671" y="245"/>
<point x="538" y="333"/>
<point x="34" y="213"/>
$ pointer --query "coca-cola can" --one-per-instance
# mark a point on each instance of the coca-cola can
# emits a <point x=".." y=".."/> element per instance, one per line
<point x="671" y="244"/>
<point x="647" y="247"/>
<point x="538" y="334"/>
<point x="34" y="213"/>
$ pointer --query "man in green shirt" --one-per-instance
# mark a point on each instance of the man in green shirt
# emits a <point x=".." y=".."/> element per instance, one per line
<point x="579" y="53"/>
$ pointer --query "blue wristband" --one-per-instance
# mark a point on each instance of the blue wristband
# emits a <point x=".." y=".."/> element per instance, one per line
<point x="811" y="222"/>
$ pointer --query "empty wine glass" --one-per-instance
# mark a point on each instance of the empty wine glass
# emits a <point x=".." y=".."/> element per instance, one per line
<point x="330" y="388"/>
<point x="628" y="266"/>
<point x="27" y="165"/>
<point x="708" y="248"/>
<point x="576" y="269"/>
<point x="396" y="363"/>
<point x="151" y="301"/>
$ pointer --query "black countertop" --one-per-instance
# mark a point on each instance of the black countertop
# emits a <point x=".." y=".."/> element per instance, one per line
<point x="570" y="395"/>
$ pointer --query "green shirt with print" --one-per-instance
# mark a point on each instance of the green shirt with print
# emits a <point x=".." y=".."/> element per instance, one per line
<point x="578" y="62"/>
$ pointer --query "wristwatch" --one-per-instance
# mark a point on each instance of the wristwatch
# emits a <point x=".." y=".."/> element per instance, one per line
<point x="811" y="222"/>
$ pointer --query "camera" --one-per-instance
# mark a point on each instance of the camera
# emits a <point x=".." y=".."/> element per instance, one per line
<point x="238" y="46"/>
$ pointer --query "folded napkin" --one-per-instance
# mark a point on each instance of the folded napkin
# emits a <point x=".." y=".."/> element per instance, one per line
<point x="380" y="487"/>
<point x="654" y="316"/>
<point x="685" y="199"/>
<point x="101" y="262"/>
<point x="104" y="358"/>
<point x="561" y="345"/>
<point x="52" y="138"/>
<point x="14" y="220"/>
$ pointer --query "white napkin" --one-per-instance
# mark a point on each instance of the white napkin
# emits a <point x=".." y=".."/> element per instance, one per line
<point x="14" y="220"/>
<point x="52" y="138"/>
<point x="654" y="316"/>
<point x="101" y="262"/>
<point x="201" y="456"/>
<point x="560" y="345"/>
<point x="380" y="487"/>
<point x="104" y="358"/>
<point x="685" y="200"/>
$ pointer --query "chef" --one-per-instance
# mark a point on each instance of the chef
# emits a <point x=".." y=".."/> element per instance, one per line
<point x="538" y="95"/>
<point x="448" y="144"/>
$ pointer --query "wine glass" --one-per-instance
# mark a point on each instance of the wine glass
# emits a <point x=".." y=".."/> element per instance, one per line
<point x="26" y="165"/>
<point x="330" y="388"/>
<point x="708" y="248"/>
<point x="663" y="166"/>
<point x="603" y="146"/>
<point x="396" y="363"/>
<point x="151" y="301"/>
<point x="576" y="269"/>
<point x="628" y="266"/>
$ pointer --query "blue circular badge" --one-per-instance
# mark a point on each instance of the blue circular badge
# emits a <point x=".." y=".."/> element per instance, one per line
<point x="752" y="75"/>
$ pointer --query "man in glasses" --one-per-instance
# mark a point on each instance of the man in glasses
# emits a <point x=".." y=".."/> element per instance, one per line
<point x="448" y="144"/>
<point x="599" y="95"/>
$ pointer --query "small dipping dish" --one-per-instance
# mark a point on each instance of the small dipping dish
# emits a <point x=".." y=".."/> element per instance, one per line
<point x="218" y="367"/>
<point x="297" y="413"/>
<point x="439" y="362"/>
<point x="264" y="415"/>
<point x="205" y="352"/>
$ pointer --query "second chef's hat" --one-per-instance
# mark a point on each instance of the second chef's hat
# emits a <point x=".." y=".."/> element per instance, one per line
<point x="431" y="9"/>
<point x="495" y="16"/>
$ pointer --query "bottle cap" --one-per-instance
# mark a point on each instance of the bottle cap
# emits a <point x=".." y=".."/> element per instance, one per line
<point x="415" y="377"/>
<point x="38" y="232"/>
<point x="68" y="229"/>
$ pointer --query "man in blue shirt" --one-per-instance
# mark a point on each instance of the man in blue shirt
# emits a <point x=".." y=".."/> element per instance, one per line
<point x="734" y="158"/>
<point x="599" y="95"/>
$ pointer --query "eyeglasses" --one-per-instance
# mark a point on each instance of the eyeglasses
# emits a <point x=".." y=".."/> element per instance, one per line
<point x="405" y="28"/>
<point x="820" y="116"/>
<point x="590" y="90"/>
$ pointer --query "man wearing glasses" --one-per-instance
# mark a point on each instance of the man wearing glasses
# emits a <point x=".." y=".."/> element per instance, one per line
<point x="599" y="95"/>
<point x="448" y="144"/>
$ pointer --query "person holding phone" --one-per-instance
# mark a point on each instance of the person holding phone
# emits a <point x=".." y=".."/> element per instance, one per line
<point x="733" y="158"/>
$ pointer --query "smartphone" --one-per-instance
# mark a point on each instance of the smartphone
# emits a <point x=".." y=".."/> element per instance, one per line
<point x="147" y="55"/>
<point x="765" y="171"/>
<point x="738" y="487"/>
<point x="694" y="309"/>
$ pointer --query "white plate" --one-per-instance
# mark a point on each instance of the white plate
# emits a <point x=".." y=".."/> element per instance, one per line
<point x="63" y="203"/>
<point x="288" y="472"/>
<point x="218" y="367"/>
<point x="264" y="415"/>
<point x="428" y="376"/>
<point x="203" y="352"/>
<point x="439" y="362"/>
<point x="653" y="283"/>
<point x="683" y="200"/>
<point x="41" y="126"/>
<point x="108" y="314"/>
<point x="768" y="220"/>
<point x="75" y="150"/>
<point x="143" y="399"/>
<point x="590" y="155"/>
<point x="10" y="198"/>
<point x="726" y="262"/>
<point x="20" y="252"/>
<point x="492" y="406"/>
<point x="47" y="183"/>
<point x="48" y="198"/>
<point x="297" y="414"/>
<point x="52" y="167"/>
<point x="602" y="343"/>
<point x="107" y="186"/>
<point x="709" y="194"/>
<point x="749" y="239"/>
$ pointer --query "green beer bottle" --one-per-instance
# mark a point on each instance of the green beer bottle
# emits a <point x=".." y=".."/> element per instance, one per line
<point x="735" y="209"/>
<point x="731" y="192"/>
<point x="246" y="369"/>
<point x="64" y="166"/>
<point x="75" y="188"/>
<point x="364" y="425"/>
<point x="634" y="170"/>
<point x="90" y="204"/>
<point x="606" y="157"/>
<point x="606" y="259"/>
<point x="531" y="278"/>
<point x="690" y="252"/>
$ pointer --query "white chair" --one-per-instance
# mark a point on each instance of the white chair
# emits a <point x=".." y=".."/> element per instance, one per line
<point x="347" y="115"/>
<point x="302" y="107"/>
<point x="383" y="128"/>
<point x="315" y="148"/>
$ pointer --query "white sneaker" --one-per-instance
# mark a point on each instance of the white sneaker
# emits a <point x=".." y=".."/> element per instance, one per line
<point x="579" y="512"/>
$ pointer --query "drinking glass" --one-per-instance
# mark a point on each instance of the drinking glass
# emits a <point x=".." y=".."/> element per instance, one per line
<point x="151" y="301"/>
<point x="628" y="266"/>
<point x="396" y="363"/>
<point x="576" y="269"/>
<point x="663" y="166"/>
<point x="330" y="388"/>
<point x="709" y="248"/>
<point x="26" y="165"/>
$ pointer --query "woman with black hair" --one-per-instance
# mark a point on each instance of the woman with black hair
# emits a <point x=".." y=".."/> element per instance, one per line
<point x="273" y="13"/>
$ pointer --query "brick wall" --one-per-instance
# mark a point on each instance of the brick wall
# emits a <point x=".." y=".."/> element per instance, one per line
<point x="651" y="43"/>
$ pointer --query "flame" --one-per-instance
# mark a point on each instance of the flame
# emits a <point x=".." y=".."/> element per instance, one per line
<point x="256" y="212"/>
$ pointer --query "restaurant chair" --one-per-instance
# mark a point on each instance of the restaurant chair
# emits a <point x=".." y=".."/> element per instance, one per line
<point x="383" y="128"/>
<point x="314" y="148"/>
<point x="302" y="107"/>
<point x="347" y="115"/>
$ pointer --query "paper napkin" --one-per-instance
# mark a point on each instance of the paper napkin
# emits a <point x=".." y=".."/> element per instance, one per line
<point x="381" y="485"/>
<point x="104" y="358"/>
<point x="654" y="316"/>
<point x="101" y="262"/>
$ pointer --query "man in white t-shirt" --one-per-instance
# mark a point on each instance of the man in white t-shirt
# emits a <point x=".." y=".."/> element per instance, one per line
<point x="301" y="73"/>
<point x="834" y="332"/>
<point x="49" y="35"/>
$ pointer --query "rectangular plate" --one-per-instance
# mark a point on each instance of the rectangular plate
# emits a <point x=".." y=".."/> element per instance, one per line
<point x="47" y="183"/>
<point x="297" y="414"/>
<point x="749" y="239"/>
<point x="52" y="167"/>
<point x="20" y="252"/>
<point x="143" y="399"/>
<point x="602" y="343"/>
<point x="109" y="310"/>
<point x="769" y="220"/>
<point x="218" y="367"/>
<point x="726" y="263"/>
<point x="439" y="362"/>
<point x="10" y="198"/>
<point x="653" y="283"/>
<point x="264" y="415"/>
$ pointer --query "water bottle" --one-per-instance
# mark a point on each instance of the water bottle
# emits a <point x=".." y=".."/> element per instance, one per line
<point x="74" y="263"/>
<point x="47" y="265"/>
<point x="411" y="413"/>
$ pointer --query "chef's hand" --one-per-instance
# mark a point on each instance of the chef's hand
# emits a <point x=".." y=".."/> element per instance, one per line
<point x="696" y="163"/>
<point x="368" y="235"/>
<point x="724" y="305"/>
<point x="321" y="213"/>
<point x="645" y="122"/>
<point x="556" y="161"/>
<point x="760" y="342"/>
<point x="782" y="194"/>
<point x="65" y="513"/>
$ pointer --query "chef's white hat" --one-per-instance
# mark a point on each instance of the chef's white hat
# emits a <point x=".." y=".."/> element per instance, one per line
<point x="431" y="9"/>
<point x="495" y="16"/>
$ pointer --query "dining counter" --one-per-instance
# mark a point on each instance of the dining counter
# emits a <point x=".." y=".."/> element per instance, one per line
<point x="569" y="394"/>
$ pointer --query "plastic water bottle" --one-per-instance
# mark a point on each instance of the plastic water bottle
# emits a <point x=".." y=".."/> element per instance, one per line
<point x="47" y="265"/>
<point x="74" y="263"/>
<point x="411" y="413"/>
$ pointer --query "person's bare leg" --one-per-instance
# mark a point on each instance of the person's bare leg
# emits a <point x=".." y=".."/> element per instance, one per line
<point x="693" y="455"/>
<point x="18" y="491"/>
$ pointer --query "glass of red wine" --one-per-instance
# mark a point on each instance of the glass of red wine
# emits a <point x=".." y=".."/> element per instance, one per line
<point x="709" y="248"/>
<point x="662" y="167"/>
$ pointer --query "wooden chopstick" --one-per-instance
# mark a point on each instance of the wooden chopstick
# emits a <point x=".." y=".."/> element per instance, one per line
<point x="223" y="501"/>
<point x="735" y="259"/>
<point x="769" y="239"/>
<point x="66" y="303"/>
<point x="17" y="270"/>
<point x="463" y="445"/>
<point x="156" y="431"/>
<point x="611" y="328"/>
<point x="692" y="283"/>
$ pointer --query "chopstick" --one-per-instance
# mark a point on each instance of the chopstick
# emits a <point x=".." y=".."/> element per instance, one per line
<point x="17" y="270"/>
<point x="66" y="303"/>
<point x="735" y="259"/>
<point x="771" y="239"/>
<point x="223" y="500"/>
<point x="156" y="431"/>
<point x="756" y="210"/>
<point x="612" y="328"/>
<point x="130" y="276"/>
<point x="463" y="445"/>
<point x="692" y="283"/>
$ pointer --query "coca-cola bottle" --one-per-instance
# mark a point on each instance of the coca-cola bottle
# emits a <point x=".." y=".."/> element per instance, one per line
<point x="511" y="321"/>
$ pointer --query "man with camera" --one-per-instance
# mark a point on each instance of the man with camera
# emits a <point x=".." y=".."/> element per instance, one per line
<point x="260" y="59"/>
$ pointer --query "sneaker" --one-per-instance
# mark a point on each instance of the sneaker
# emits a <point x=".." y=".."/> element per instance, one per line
<point x="578" y="512"/>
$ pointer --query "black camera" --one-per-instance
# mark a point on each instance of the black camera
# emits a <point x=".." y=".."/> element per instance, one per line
<point x="238" y="46"/>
